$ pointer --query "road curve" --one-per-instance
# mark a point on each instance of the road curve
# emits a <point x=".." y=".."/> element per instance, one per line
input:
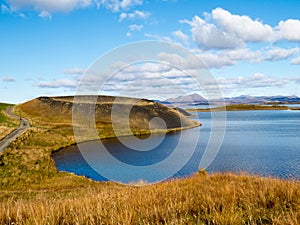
<point x="24" y="125"/>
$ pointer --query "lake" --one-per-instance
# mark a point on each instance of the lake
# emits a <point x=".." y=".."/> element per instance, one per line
<point x="265" y="143"/>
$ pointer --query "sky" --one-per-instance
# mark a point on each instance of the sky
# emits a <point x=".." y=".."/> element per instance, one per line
<point x="249" y="47"/>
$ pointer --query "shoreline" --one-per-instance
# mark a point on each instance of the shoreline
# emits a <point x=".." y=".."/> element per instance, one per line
<point x="154" y="132"/>
<point x="242" y="107"/>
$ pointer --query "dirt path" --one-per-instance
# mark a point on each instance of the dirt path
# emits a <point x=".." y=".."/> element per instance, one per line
<point x="24" y="125"/>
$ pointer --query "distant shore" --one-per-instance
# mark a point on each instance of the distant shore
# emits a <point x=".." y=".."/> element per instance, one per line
<point x="244" y="107"/>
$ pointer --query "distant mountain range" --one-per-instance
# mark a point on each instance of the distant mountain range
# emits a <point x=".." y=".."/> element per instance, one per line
<point x="195" y="99"/>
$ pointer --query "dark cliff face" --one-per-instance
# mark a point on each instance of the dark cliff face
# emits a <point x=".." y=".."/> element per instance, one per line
<point x="141" y="112"/>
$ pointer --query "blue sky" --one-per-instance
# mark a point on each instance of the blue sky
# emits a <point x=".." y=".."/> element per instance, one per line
<point x="251" y="47"/>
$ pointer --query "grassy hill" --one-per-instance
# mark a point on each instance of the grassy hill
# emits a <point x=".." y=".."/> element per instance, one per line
<point x="28" y="159"/>
<point x="58" y="111"/>
<point x="7" y="124"/>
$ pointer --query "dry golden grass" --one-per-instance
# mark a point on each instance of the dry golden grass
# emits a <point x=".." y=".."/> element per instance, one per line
<point x="201" y="199"/>
<point x="7" y="124"/>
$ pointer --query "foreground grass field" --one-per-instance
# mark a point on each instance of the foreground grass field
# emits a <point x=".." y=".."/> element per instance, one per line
<point x="201" y="199"/>
<point x="32" y="191"/>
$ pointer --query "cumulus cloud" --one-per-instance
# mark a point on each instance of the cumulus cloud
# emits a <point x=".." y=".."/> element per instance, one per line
<point x="242" y="27"/>
<point x="208" y="35"/>
<point x="8" y="79"/>
<point x="280" y="53"/>
<point x="208" y="59"/>
<point x="204" y="60"/>
<point x="135" y="27"/>
<point x="296" y="80"/>
<point x="148" y="78"/>
<point x="182" y="36"/>
<point x="257" y="80"/>
<point x="140" y="80"/>
<point x="65" y="83"/>
<point x="295" y="61"/>
<point x="133" y="15"/>
<point x="117" y="5"/>
<point x="221" y="29"/>
<point x="45" y="14"/>
<point x="46" y="7"/>
<point x="289" y="30"/>
<point x="132" y="28"/>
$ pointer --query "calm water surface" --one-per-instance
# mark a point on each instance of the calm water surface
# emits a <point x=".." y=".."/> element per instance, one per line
<point x="265" y="143"/>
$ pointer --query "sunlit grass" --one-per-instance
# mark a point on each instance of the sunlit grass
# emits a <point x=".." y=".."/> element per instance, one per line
<point x="201" y="199"/>
<point x="7" y="124"/>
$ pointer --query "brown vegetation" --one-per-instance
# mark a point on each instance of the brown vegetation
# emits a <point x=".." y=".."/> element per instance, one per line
<point x="201" y="199"/>
<point x="7" y="124"/>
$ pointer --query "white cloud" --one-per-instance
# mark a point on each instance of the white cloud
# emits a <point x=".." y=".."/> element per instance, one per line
<point x="218" y="59"/>
<point x="135" y="27"/>
<point x="221" y="29"/>
<point x="46" y="7"/>
<point x="140" y="80"/>
<point x="280" y="53"/>
<point x="208" y="35"/>
<point x="74" y="71"/>
<point x="57" y="84"/>
<point x="181" y="62"/>
<point x="241" y="54"/>
<point x="45" y="14"/>
<point x="289" y="30"/>
<point x="204" y="60"/>
<point x="242" y="27"/>
<point x="296" y="80"/>
<point x="8" y="79"/>
<point x="145" y="79"/>
<point x="295" y="61"/>
<point x="182" y="36"/>
<point x="257" y="80"/>
<point x="117" y="5"/>
<point x="49" y="5"/>
<point x="133" y="15"/>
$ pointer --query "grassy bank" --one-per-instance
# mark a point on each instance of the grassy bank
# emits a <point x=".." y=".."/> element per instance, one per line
<point x="7" y="124"/>
<point x="241" y="107"/>
<point x="28" y="159"/>
<point x="201" y="199"/>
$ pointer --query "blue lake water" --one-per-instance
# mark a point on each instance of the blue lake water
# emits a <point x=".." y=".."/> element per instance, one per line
<point x="265" y="143"/>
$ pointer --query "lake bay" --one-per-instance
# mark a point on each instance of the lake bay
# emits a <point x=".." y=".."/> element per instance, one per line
<point x="265" y="143"/>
